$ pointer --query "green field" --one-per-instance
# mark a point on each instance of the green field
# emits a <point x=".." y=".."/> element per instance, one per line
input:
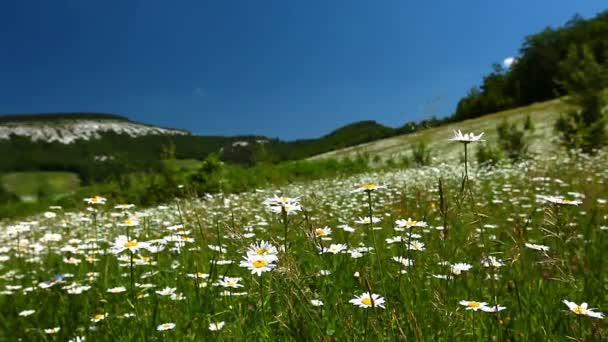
<point x="438" y="259"/>
<point x="29" y="186"/>
<point x="543" y="116"/>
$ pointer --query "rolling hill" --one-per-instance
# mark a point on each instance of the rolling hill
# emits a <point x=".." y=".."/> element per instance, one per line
<point x="543" y="116"/>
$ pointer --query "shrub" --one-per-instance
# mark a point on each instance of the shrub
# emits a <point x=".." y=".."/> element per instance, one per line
<point x="421" y="154"/>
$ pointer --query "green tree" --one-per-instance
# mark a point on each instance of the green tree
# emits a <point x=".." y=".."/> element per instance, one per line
<point x="512" y="140"/>
<point x="585" y="80"/>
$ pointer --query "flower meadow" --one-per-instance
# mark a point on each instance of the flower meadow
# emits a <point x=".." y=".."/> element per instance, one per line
<point x="447" y="252"/>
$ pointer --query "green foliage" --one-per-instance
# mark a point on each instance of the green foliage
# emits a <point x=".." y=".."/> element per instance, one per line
<point x="532" y="77"/>
<point x="585" y="80"/>
<point x="421" y="154"/>
<point x="487" y="154"/>
<point x="512" y="140"/>
<point x="528" y="124"/>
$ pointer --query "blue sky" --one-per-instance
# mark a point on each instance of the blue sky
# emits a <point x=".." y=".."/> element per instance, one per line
<point x="288" y="69"/>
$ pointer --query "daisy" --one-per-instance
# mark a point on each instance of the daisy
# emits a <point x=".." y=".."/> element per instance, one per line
<point x="122" y="243"/>
<point x="316" y="302"/>
<point x="216" y="326"/>
<point x="230" y="282"/>
<point x="458" y="268"/>
<point x="52" y="331"/>
<point x="416" y="246"/>
<point x="369" y="187"/>
<point x="582" y="309"/>
<point x="325" y="231"/>
<point x="99" y="317"/>
<point x="96" y="200"/>
<point x="473" y="305"/>
<point x="467" y="137"/>
<point x="409" y="223"/>
<point x="262" y="248"/>
<point x="537" y="247"/>
<point x="365" y="220"/>
<point x="558" y="200"/>
<point x="368" y="300"/>
<point x="130" y="222"/>
<point x="165" y="326"/>
<point x="258" y="264"/>
<point x="491" y="261"/>
<point x="118" y="289"/>
<point x="495" y="308"/>
<point x="404" y="261"/>
<point x="26" y="313"/>
<point x="334" y="248"/>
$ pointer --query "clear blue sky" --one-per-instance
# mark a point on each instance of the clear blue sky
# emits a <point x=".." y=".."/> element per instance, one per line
<point x="288" y="69"/>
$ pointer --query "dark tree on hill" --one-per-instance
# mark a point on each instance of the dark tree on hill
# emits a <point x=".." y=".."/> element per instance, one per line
<point x="585" y="80"/>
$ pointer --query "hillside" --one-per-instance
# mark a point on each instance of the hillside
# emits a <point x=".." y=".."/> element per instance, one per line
<point x="71" y="127"/>
<point x="543" y="116"/>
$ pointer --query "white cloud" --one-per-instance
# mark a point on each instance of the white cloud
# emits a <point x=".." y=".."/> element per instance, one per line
<point x="508" y="62"/>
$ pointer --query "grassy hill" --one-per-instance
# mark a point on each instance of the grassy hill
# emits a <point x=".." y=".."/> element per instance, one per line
<point x="543" y="116"/>
<point x="28" y="186"/>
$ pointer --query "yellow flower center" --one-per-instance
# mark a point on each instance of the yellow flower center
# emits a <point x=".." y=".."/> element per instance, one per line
<point x="231" y="283"/>
<point x="578" y="310"/>
<point x="367" y="301"/>
<point x="566" y="201"/>
<point x="129" y="222"/>
<point x="320" y="231"/>
<point x="369" y="186"/>
<point x="130" y="244"/>
<point x="262" y="251"/>
<point x="259" y="263"/>
<point x="474" y="304"/>
<point x="99" y="316"/>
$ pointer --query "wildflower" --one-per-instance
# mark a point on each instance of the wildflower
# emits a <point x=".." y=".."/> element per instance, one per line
<point x="325" y="231"/>
<point x="460" y="267"/>
<point x="230" y="282"/>
<point x="26" y="313"/>
<point x="409" y="223"/>
<point x="495" y="308"/>
<point x="316" y="302"/>
<point x="216" y="326"/>
<point x="258" y="264"/>
<point x="262" y="248"/>
<point x="369" y="187"/>
<point x="368" y="300"/>
<point x="118" y="289"/>
<point x="124" y="206"/>
<point x="334" y="248"/>
<point x="165" y="326"/>
<point x="123" y="243"/>
<point x="130" y="222"/>
<point x="537" y="247"/>
<point x="167" y="291"/>
<point x="404" y="261"/>
<point x="558" y="200"/>
<point x="96" y="200"/>
<point x="492" y="261"/>
<point x="99" y="317"/>
<point x="366" y="220"/>
<point x="473" y="305"/>
<point x="582" y="309"/>
<point x="416" y="246"/>
<point x="52" y="331"/>
<point x="467" y="137"/>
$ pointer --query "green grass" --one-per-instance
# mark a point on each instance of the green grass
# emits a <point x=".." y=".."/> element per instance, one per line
<point x="30" y="185"/>
<point x="543" y="116"/>
<point x="495" y="215"/>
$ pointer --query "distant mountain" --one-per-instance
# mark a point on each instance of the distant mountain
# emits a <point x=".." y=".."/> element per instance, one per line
<point x="99" y="147"/>
<point x="67" y="128"/>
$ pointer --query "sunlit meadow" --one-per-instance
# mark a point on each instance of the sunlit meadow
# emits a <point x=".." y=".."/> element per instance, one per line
<point x="448" y="252"/>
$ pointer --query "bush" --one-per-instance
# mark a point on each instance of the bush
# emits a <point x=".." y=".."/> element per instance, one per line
<point x="487" y="154"/>
<point x="421" y="154"/>
<point x="512" y="140"/>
